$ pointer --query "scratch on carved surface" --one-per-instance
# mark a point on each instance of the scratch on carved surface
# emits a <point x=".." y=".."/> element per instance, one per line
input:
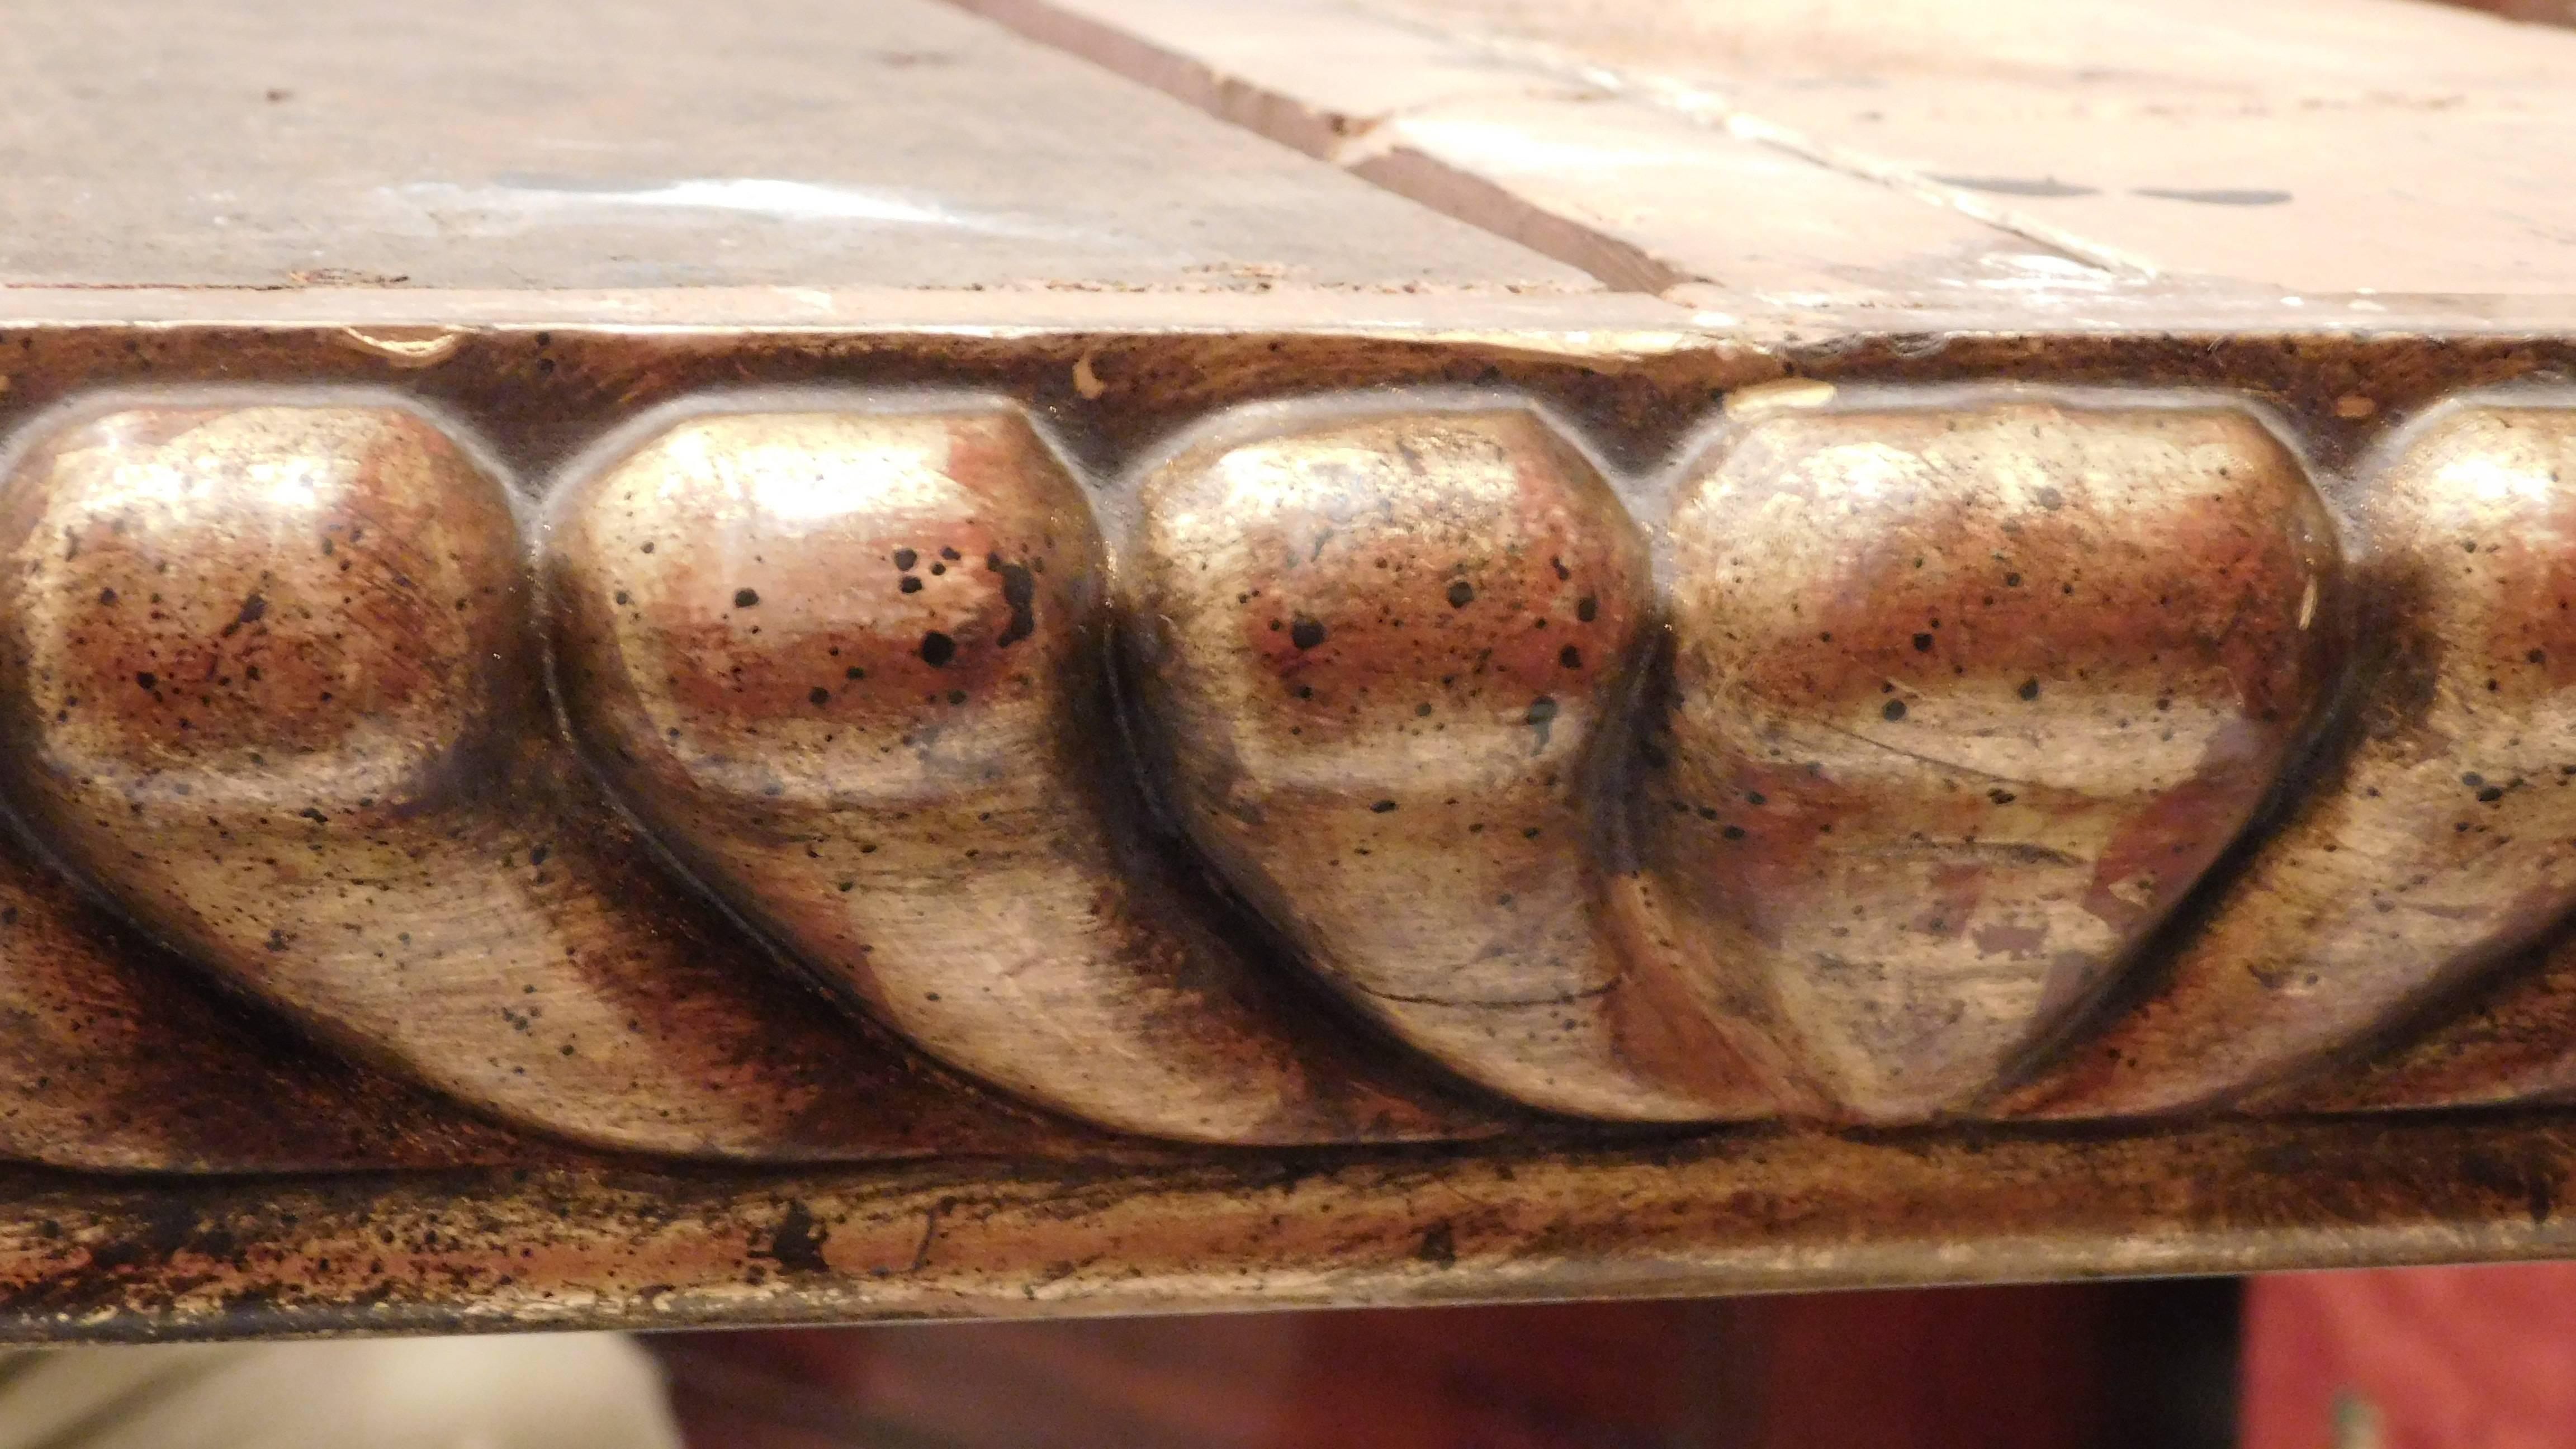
<point x="929" y="1233"/>
<point x="1933" y="760"/>
<point x="1562" y="998"/>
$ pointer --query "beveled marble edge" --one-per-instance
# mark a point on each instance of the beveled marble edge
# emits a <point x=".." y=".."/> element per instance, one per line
<point x="1697" y="315"/>
<point x="998" y="311"/>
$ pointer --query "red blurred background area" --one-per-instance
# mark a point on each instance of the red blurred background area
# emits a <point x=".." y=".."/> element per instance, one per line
<point x="2112" y="1365"/>
<point x="2450" y="1358"/>
<point x="2423" y="1358"/>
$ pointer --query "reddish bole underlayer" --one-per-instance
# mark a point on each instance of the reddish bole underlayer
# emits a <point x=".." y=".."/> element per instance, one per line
<point x="1383" y="661"/>
<point x="849" y="666"/>
<point x="2439" y="835"/>
<point x="268" y="683"/>
<point x="1964" y="702"/>
<point x="1942" y="713"/>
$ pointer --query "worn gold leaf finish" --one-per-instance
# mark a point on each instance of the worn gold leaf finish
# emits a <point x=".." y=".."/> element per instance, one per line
<point x="822" y="789"/>
<point x="1964" y="700"/>
<point x="850" y="665"/>
<point x="1387" y="661"/>
<point x="268" y="682"/>
<point x="2440" y="835"/>
<point x="114" y="1059"/>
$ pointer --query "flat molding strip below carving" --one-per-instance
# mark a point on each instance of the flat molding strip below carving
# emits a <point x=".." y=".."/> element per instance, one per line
<point x="1767" y="1211"/>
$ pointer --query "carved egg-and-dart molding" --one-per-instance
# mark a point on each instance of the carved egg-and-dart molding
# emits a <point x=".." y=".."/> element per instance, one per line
<point x="1964" y="700"/>
<point x="269" y="681"/>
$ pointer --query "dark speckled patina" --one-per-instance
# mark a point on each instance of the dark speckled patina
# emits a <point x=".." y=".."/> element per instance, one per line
<point x="849" y="664"/>
<point x="1966" y="698"/>
<point x="268" y="682"/>
<point x="217" y="1052"/>
<point x="1386" y="663"/>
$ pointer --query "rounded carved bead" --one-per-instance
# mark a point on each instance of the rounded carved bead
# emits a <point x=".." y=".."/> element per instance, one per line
<point x="2438" y="834"/>
<point x="267" y="678"/>
<point x="849" y="665"/>
<point x="1965" y="699"/>
<point x="1386" y="662"/>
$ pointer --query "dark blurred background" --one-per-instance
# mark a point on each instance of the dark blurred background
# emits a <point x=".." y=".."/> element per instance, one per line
<point x="2110" y="1365"/>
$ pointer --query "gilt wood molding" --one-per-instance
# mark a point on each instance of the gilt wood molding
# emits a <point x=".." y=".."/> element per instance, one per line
<point x="593" y="788"/>
<point x="1608" y="683"/>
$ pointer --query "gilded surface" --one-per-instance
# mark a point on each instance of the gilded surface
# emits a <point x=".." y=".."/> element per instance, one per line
<point x="1388" y="662"/>
<point x="850" y="666"/>
<point x="1964" y="701"/>
<point x="2441" y="834"/>
<point x="1146" y="995"/>
<point x="268" y="683"/>
<point x="381" y="802"/>
<point x="1399" y="778"/>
